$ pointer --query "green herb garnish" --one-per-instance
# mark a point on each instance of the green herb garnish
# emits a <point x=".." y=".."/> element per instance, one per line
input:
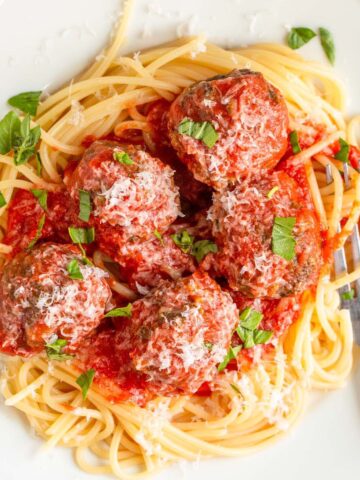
<point x="202" y="247"/>
<point x="38" y="164"/>
<point x="85" y="205"/>
<point x="231" y="354"/>
<point x="2" y="200"/>
<point x="54" y="350"/>
<point x="208" y="345"/>
<point x="183" y="240"/>
<point x="38" y="232"/>
<point x="73" y="269"/>
<point x="203" y="131"/>
<point x="283" y="241"/>
<point x="343" y="153"/>
<point x="348" y="295"/>
<point x="294" y="140"/>
<point x="327" y="43"/>
<point x="27" y="102"/>
<point x="17" y="135"/>
<point x="158" y="235"/>
<point x="85" y="381"/>
<point x="82" y="235"/>
<point x="120" y="312"/>
<point x="247" y="329"/>
<point x="123" y="157"/>
<point x="299" y="36"/>
<point x="41" y="196"/>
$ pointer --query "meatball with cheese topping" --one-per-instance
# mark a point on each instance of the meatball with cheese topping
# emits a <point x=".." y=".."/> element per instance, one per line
<point x="269" y="244"/>
<point x="49" y="293"/>
<point x="240" y="128"/>
<point x="181" y="331"/>
<point x="129" y="189"/>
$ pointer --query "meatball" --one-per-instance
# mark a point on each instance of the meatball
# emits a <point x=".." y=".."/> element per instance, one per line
<point x="181" y="331"/>
<point x="136" y="194"/>
<point x="250" y="118"/>
<point x="243" y="221"/>
<point x="40" y="301"/>
<point x="144" y="264"/>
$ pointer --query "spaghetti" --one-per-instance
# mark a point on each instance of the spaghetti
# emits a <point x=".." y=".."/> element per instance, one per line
<point x="247" y="410"/>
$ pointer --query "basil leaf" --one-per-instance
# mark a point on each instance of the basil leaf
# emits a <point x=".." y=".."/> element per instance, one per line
<point x="272" y="192"/>
<point x="183" y="240"/>
<point x="38" y="232"/>
<point x="41" y="195"/>
<point x="348" y="295"/>
<point x="250" y="318"/>
<point x="283" y="242"/>
<point x="202" y="247"/>
<point x="9" y="130"/>
<point x="120" y="312"/>
<point x="85" y="381"/>
<point x="85" y="205"/>
<point x="231" y="354"/>
<point x="54" y="350"/>
<point x="203" y="131"/>
<point x="299" y="36"/>
<point x="123" y="157"/>
<point x="294" y="140"/>
<point x="2" y="200"/>
<point x="327" y="43"/>
<point x="82" y="235"/>
<point x="343" y="153"/>
<point x="73" y="269"/>
<point x="25" y="142"/>
<point x="27" y="102"/>
<point x="262" y="336"/>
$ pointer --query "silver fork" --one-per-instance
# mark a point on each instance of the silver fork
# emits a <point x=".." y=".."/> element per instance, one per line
<point x="340" y="265"/>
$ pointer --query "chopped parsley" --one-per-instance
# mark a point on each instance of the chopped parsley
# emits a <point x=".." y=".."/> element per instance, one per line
<point x="299" y="36"/>
<point x="348" y="295"/>
<point x="231" y="355"/>
<point x="2" y="200"/>
<point x="294" y="140"/>
<point x="85" y="381"/>
<point x="248" y="330"/>
<point x="120" y="312"/>
<point x="73" y="269"/>
<point x="84" y="205"/>
<point x="343" y="153"/>
<point x="54" y="350"/>
<point x="203" y="131"/>
<point x="38" y="232"/>
<point x="122" y="157"/>
<point x="272" y="192"/>
<point x="82" y="235"/>
<point x="208" y="345"/>
<point x="27" y="102"/>
<point x="327" y="43"/>
<point x="41" y="196"/>
<point x="17" y="135"/>
<point x="283" y="241"/>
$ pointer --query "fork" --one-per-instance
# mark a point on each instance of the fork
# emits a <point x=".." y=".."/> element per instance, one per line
<point x="340" y="265"/>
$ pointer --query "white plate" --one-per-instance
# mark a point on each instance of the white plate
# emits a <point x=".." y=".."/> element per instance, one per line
<point x="44" y="43"/>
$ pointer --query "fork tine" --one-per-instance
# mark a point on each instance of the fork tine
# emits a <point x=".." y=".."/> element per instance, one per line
<point x="355" y="238"/>
<point x="340" y="265"/>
